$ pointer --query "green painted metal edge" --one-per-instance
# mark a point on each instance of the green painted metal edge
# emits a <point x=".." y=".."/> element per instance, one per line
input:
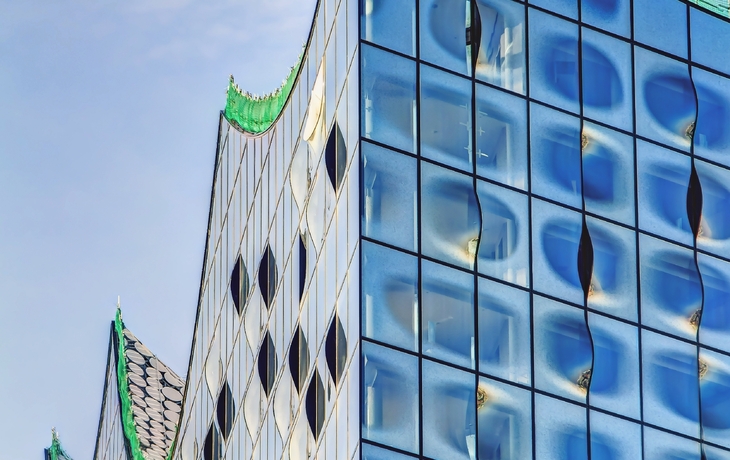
<point x="123" y="387"/>
<point x="56" y="452"/>
<point x="256" y="114"/>
<point x="721" y="7"/>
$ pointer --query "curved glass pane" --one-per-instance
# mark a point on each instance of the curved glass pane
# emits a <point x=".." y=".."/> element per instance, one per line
<point x="610" y="15"/>
<point x="561" y="433"/>
<point x="613" y="438"/>
<point x="501" y="59"/>
<point x="715" y="322"/>
<point x="669" y="34"/>
<point x="390" y="24"/>
<point x="715" y="397"/>
<point x="504" y="417"/>
<point x="659" y="445"/>
<point x="442" y="29"/>
<point x="712" y="138"/>
<point x="714" y="235"/>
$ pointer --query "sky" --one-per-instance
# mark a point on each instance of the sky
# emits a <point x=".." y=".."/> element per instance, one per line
<point x="108" y="124"/>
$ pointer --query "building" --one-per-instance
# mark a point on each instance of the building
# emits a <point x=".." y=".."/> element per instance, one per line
<point x="472" y="229"/>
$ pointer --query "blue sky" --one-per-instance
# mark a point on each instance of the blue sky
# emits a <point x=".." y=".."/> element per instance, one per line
<point x="108" y="123"/>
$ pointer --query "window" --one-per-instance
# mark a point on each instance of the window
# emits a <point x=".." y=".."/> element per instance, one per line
<point x="336" y="349"/>
<point x="239" y="285"/>
<point x="268" y="276"/>
<point x="335" y="157"/>
<point x="315" y="404"/>
<point x="226" y="411"/>
<point x="299" y="359"/>
<point x="267" y="363"/>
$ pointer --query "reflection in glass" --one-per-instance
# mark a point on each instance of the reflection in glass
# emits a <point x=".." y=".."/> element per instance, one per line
<point x="714" y="232"/>
<point x="448" y="314"/>
<point x="613" y="438"/>
<point x="659" y="445"/>
<point x="610" y="15"/>
<point x="712" y="139"/>
<point x="501" y="59"/>
<point x="390" y="397"/>
<point x="671" y="294"/>
<point x="389" y="98"/>
<point x="715" y="322"/>
<point x="449" y="413"/>
<point x="561" y="433"/>
<point x="501" y="129"/>
<point x="715" y="396"/>
<point x="503" y="242"/>
<point x="446" y="118"/>
<point x="563" y="353"/>
<point x="442" y="28"/>
<point x="390" y="24"/>
<point x="669" y="34"/>
<point x="370" y="452"/>
<point x="504" y="417"/>
<point x="450" y="219"/>
<point x="389" y="193"/>
<point x="389" y="296"/>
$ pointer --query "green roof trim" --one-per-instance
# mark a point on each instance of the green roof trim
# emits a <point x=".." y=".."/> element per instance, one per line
<point x="256" y="114"/>
<point x="721" y="7"/>
<point x="56" y="452"/>
<point x="123" y="386"/>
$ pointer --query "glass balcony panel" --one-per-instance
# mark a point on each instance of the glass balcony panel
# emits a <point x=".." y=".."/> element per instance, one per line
<point x="671" y="293"/>
<point x="660" y="445"/>
<point x="610" y="15"/>
<point x="504" y="417"/>
<point x="556" y="235"/>
<point x="613" y="283"/>
<point x="663" y="180"/>
<point x="607" y="79"/>
<point x="504" y="239"/>
<point x="442" y="29"/>
<point x="370" y="452"/>
<point x="613" y="438"/>
<point x="449" y="412"/>
<point x="555" y="155"/>
<point x="390" y="397"/>
<point x="714" y="235"/>
<point x="715" y="321"/>
<point x="608" y="173"/>
<point x="614" y="380"/>
<point x="670" y="384"/>
<point x="390" y="24"/>
<point x="446" y="118"/>
<point x="554" y="61"/>
<point x="715" y="396"/>
<point x="504" y="332"/>
<point x="561" y="432"/>
<point x="501" y="59"/>
<point x="447" y="328"/>
<point x="665" y="99"/>
<point x="567" y="8"/>
<point x="669" y="34"/>
<point x="388" y="106"/>
<point x="450" y="219"/>
<point x="501" y="137"/>
<point x="712" y="138"/>
<point x="389" y="296"/>
<point x="389" y="194"/>
<point x="562" y="351"/>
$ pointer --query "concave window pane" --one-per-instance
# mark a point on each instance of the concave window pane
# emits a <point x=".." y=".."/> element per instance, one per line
<point x="504" y="416"/>
<point x="668" y="34"/>
<point x="442" y="29"/>
<point x="390" y="24"/>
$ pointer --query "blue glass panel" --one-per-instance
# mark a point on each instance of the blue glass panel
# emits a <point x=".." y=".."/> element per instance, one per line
<point x="446" y="118"/>
<point x="712" y="138"/>
<point x="562" y="351"/>
<point x="663" y="180"/>
<point x="671" y="293"/>
<point x="504" y="239"/>
<point x="389" y="296"/>
<point x="561" y="431"/>
<point x="554" y="61"/>
<point x="710" y="36"/>
<point x="607" y="80"/>
<point x="443" y="33"/>
<point x="565" y="7"/>
<point x="504" y="332"/>
<point x="389" y="195"/>
<point x="501" y="127"/>
<point x="448" y="314"/>
<point x="659" y="445"/>
<point x="614" y="438"/>
<point x="505" y="421"/>
<point x="670" y="385"/>
<point x="713" y="453"/>
<point x="668" y="33"/>
<point x="608" y="173"/>
<point x="450" y="219"/>
<point x="714" y="233"/>
<point x="665" y="100"/>
<point x="555" y="155"/>
<point x="613" y="283"/>
<point x="610" y="15"/>
<point x="715" y="321"/>
<point x="449" y="412"/>
<point x="715" y="393"/>
<point x="370" y="452"/>
<point x="388" y="98"/>
<point x="390" y="24"/>
<point x="615" y="375"/>
<point x="390" y="397"/>
<point x="501" y="60"/>
<point x="555" y="237"/>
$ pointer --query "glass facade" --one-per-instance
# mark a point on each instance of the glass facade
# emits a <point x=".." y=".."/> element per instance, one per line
<point x="544" y="257"/>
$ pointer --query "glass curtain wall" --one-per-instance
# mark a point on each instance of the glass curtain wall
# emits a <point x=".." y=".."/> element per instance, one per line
<point x="545" y="221"/>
